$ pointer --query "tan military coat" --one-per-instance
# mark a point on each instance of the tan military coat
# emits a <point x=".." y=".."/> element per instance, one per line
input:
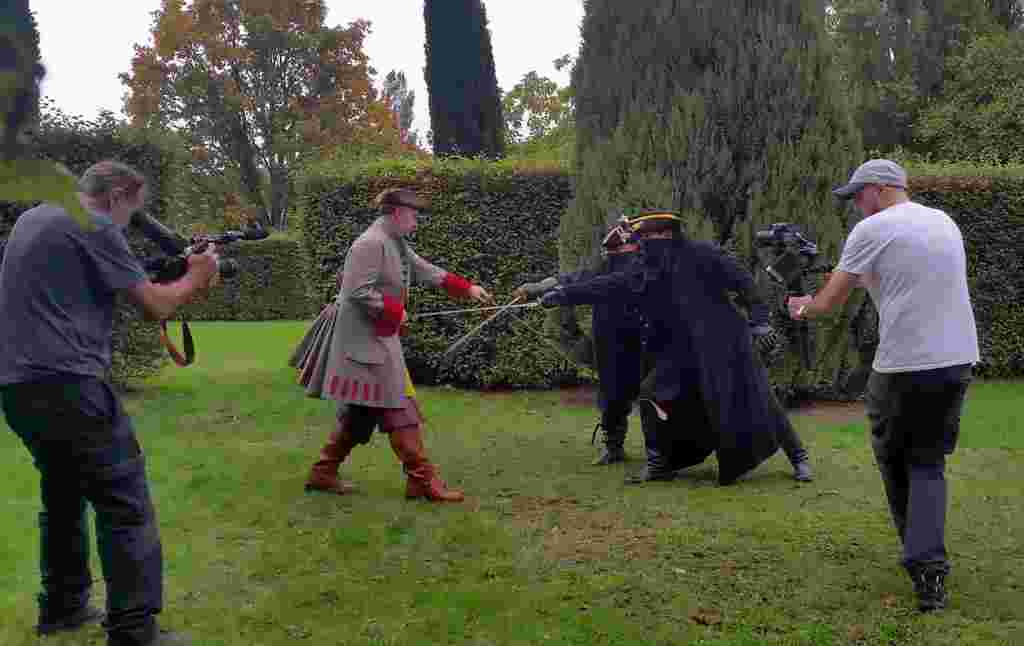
<point x="362" y="360"/>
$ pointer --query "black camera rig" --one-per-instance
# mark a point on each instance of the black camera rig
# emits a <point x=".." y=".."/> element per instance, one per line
<point x="794" y="258"/>
<point x="174" y="265"/>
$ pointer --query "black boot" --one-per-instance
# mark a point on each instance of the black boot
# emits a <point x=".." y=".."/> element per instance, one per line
<point x="929" y="586"/>
<point x="614" y="431"/>
<point x="87" y="614"/>
<point x="658" y="466"/>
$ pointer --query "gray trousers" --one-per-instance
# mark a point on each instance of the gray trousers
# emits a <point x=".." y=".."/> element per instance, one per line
<point x="915" y="424"/>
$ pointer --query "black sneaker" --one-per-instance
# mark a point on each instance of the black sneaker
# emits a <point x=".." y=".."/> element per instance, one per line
<point x="930" y="588"/>
<point x="802" y="471"/>
<point x="647" y="474"/>
<point x="87" y="614"/>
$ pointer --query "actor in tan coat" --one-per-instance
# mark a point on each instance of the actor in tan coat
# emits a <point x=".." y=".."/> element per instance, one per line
<point x="360" y="363"/>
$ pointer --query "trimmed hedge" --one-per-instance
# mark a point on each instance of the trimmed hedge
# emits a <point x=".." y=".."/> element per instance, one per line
<point x="271" y="285"/>
<point x="495" y="224"/>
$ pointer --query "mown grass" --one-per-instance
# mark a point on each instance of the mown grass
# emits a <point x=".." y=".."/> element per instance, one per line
<point x="546" y="549"/>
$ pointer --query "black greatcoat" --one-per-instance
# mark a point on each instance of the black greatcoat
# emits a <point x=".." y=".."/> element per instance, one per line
<point x="618" y="332"/>
<point x="701" y="343"/>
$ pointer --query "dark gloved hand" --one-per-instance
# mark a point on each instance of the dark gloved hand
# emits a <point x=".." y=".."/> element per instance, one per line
<point x="760" y="316"/>
<point x="533" y="290"/>
<point x="766" y="340"/>
<point x="553" y="298"/>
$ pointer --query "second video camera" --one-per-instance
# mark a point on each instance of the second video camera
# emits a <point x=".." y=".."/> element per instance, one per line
<point x="169" y="268"/>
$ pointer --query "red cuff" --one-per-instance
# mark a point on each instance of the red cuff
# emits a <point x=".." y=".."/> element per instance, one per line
<point x="456" y="286"/>
<point x="391" y="318"/>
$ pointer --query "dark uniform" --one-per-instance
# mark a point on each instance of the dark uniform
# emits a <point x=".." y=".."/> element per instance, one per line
<point x="707" y="391"/>
<point x="619" y="343"/>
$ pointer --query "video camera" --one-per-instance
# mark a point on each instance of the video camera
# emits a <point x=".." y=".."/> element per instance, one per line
<point x="793" y="258"/>
<point x="169" y="268"/>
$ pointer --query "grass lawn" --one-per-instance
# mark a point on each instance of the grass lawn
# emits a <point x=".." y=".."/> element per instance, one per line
<point x="546" y="549"/>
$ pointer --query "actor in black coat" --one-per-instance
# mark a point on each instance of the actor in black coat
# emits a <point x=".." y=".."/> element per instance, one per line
<point x="619" y="337"/>
<point x="707" y="378"/>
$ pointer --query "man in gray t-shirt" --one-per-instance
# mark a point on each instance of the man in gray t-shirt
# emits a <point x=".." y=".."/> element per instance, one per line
<point x="58" y="289"/>
<point x="59" y="284"/>
<point x="912" y="261"/>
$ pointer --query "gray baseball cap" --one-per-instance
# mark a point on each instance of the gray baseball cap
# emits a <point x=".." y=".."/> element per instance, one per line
<point x="874" y="171"/>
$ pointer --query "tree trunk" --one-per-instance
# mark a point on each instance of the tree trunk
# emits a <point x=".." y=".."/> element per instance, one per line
<point x="280" y="189"/>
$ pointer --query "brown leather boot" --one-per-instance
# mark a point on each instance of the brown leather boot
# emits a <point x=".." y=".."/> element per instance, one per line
<point x="324" y="474"/>
<point x="422" y="480"/>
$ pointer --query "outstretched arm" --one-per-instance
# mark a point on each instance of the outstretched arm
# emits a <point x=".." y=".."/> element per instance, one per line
<point x="607" y="288"/>
<point x="456" y="286"/>
<point x="535" y="290"/>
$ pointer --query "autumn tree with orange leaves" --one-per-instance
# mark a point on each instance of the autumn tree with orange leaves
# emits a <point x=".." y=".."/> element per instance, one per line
<point x="256" y="87"/>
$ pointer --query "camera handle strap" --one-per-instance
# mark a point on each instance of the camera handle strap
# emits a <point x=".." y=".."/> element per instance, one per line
<point x="186" y="334"/>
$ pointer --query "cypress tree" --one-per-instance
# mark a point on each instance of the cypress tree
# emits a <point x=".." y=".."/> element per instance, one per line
<point x="727" y="111"/>
<point x="465" y="103"/>
<point x="21" y="71"/>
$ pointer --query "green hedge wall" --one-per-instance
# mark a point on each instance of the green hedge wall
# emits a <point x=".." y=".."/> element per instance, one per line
<point x="492" y="223"/>
<point x="271" y="285"/>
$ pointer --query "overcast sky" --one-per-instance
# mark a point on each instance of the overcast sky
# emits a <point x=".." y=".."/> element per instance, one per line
<point x="84" y="48"/>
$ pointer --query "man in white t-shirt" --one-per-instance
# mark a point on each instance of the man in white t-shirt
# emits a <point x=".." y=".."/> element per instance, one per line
<point x="912" y="261"/>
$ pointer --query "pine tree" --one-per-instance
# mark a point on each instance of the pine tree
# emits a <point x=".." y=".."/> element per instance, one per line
<point x="729" y="112"/>
<point x="465" y="102"/>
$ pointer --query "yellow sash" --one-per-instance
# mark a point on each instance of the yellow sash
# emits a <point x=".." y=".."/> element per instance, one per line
<point x="410" y="391"/>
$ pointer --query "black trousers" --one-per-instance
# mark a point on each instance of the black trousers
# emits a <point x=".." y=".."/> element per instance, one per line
<point x="85" y="449"/>
<point x="915" y="424"/>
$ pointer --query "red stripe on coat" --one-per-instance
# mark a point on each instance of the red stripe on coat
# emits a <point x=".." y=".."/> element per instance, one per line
<point x="334" y="385"/>
<point x="366" y="392"/>
<point x="344" y="388"/>
<point x="376" y="392"/>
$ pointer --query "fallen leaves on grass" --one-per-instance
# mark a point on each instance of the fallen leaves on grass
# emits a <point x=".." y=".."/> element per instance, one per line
<point x="706" y="616"/>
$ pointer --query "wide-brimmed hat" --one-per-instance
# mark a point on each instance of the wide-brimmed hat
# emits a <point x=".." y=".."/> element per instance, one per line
<point x="401" y="197"/>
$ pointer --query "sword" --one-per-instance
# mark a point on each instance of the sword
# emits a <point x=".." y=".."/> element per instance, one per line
<point x="474" y="309"/>
<point x="469" y="335"/>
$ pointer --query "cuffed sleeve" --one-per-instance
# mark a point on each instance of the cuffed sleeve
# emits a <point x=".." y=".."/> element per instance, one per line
<point x="456" y="286"/>
<point x="390" y="319"/>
